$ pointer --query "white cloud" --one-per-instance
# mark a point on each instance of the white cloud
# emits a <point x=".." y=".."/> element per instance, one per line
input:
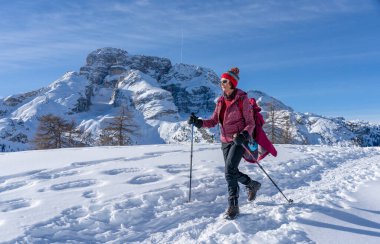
<point x="267" y="63"/>
<point x="31" y="33"/>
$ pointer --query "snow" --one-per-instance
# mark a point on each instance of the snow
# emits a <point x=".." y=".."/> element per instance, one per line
<point x="351" y="219"/>
<point x="145" y="89"/>
<point x="58" y="98"/>
<point x="139" y="194"/>
<point x="266" y="101"/>
<point x="192" y="77"/>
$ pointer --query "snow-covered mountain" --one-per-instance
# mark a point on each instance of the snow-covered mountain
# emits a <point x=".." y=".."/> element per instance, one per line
<point x="159" y="96"/>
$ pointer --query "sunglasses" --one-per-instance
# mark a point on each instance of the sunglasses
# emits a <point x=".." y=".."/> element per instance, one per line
<point x="224" y="81"/>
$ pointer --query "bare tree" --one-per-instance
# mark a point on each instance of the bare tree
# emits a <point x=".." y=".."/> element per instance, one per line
<point x="287" y="137"/>
<point x="71" y="132"/>
<point x="278" y="125"/>
<point x="119" y="129"/>
<point x="272" y="123"/>
<point x="106" y="138"/>
<point x="54" y="132"/>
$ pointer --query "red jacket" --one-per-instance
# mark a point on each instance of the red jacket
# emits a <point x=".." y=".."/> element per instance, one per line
<point x="235" y="121"/>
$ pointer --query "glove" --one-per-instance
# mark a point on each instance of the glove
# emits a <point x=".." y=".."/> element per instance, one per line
<point x="241" y="138"/>
<point x="193" y="120"/>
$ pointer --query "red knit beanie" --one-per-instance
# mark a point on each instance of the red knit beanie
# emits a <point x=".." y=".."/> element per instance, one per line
<point x="232" y="75"/>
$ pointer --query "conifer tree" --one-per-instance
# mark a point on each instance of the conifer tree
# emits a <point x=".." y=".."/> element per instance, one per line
<point x="119" y="129"/>
<point x="54" y="132"/>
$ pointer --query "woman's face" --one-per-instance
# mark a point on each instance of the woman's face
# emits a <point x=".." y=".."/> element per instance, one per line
<point x="226" y="86"/>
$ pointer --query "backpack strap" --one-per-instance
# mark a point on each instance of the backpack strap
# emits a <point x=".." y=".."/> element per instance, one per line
<point x="240" y="103"/>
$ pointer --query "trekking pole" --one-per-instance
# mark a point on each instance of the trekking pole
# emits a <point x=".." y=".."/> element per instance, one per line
<point x="274" y="183"/>
<point x="191" y="159"/>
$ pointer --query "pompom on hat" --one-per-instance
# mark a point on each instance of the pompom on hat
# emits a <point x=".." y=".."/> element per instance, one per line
<point x="232" y="75"/>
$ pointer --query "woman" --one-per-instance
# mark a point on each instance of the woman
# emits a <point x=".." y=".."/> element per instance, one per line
<point x="233" y="112"/>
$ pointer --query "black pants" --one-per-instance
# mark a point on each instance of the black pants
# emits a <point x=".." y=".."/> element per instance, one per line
<point x="232" y="156"/>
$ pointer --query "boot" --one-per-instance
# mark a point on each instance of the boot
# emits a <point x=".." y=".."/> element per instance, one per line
<point x="233" y="209"/>
<point x="252" y="188"/>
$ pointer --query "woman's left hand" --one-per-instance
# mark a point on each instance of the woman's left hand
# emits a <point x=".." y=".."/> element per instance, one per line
<point x="239" y="139"/>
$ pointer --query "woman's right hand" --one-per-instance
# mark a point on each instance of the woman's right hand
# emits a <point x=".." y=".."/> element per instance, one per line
<point x="194" y="120"/>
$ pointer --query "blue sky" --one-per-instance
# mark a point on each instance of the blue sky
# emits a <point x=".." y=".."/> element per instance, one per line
<point x="315" y="56"/>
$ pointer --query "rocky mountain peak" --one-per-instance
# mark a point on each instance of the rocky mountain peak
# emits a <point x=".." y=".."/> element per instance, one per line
<point x="106" y="57"/>
<point x="113" y="61"/>
<point x="153" y="66"/>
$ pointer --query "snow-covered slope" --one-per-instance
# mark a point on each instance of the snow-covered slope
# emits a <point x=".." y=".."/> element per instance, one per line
<point x="160" y="96"/>
<point x="138" y="194"/>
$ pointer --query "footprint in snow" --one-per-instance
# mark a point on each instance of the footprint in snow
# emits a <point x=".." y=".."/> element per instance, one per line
<point x="10" y="205"/>
<point x="121" y="170"/>
<point x="54" y="174"/>
<point x="143" y="179"/>
<point x="12" y="186"/>
<point x="73" y="184"/>
<point x="94" y="162"/>
<point x="175" y="168"/>
<point x="90" y="194"/>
